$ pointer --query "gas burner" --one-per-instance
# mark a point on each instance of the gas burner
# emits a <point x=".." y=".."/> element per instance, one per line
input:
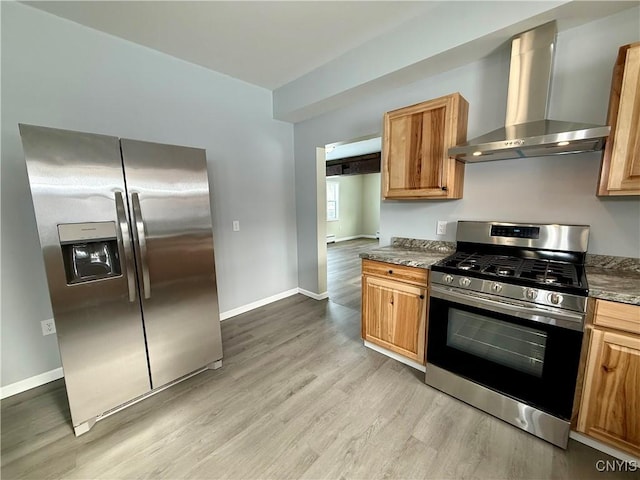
<point x="502" y="268"/>
<point x="505" y="271"/>
<point x="548" y="279"/>
<point x="470" y="264"/>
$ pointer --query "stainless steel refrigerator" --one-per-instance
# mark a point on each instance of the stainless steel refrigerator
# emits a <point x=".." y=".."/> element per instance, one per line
<point x="126" y="235"/>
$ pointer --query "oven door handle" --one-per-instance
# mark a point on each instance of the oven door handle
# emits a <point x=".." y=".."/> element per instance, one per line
<point x="573" y="321"/>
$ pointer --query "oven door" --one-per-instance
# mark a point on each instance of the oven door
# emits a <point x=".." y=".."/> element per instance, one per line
<point x="509" y="348"/>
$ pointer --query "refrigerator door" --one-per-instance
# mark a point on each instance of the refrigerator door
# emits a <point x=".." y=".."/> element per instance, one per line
<point x="79" y="200"/>
<point x="168" y="193"/>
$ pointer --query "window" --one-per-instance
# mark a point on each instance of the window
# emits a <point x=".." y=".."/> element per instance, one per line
<point x="333" y="188"/>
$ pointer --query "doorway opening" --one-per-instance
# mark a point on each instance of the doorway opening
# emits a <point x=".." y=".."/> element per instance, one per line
<point x="352" y="213"/>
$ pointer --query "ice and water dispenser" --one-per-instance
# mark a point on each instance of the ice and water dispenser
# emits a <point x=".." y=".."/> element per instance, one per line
<point x="89" y="251"/>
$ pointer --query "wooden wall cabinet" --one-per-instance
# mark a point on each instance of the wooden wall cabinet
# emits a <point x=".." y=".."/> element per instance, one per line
<point x="620" y="172"/>
<point x="610" y="404"/>
<point x="416" y="140"/>
<point x="394" y="308"/>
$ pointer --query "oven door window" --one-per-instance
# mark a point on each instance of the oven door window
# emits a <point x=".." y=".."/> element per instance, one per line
<point x="514" y="346"/>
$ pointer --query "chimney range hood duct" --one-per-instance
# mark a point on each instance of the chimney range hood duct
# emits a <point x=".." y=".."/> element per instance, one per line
<point x="527" y="131"/>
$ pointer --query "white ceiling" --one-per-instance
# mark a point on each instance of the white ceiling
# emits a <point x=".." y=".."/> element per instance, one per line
<point x="264" y="43"/>
<point x="335" y="151"/>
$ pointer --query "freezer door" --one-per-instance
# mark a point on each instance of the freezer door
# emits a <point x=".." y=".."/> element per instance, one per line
<point x="79" y="200"/>
<point x="168" y="192"/>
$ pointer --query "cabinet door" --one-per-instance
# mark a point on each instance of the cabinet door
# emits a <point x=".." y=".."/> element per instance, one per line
<point x="416" y="140"/>
<point x="621" y="160"/>
<point x="393" y="316"/>
<point x="610" y="407"/>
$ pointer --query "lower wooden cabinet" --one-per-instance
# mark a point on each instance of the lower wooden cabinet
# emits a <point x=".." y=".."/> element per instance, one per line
<point x="610" y="404"/>
<point x="394" y="309"/>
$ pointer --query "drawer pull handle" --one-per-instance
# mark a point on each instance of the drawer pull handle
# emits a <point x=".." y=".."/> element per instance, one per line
<point x="390" y="272"/>
<point x="421" y="297"/>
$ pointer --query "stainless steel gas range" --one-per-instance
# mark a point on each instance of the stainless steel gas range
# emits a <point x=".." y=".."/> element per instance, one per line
<point x="506" y="318"/>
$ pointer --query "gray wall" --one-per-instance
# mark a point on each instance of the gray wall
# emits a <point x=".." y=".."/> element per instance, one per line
<point x="358" y="205"/>
<point x="552" y="189"/>
<point x="61" y="74"/>
<point x="349" y="223"/>
<point x="371" y="203"/>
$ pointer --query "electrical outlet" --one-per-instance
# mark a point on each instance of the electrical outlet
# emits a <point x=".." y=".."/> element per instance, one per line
<point x="236" y="225"/>
<point x="441" y="229"/>
<point x="48" y="327"/>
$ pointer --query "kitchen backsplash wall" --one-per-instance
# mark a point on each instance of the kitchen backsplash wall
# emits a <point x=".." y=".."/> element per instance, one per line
<point x="557" y="189"/>
<point x="550" y="189"/>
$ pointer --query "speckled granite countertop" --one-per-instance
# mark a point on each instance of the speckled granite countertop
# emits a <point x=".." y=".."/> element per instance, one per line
<point x="610" y="278"/>
<point x="614" y="278"/>
<point x="410" y="252"/>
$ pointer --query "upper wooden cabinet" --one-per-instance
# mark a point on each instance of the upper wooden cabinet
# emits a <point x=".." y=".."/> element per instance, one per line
<point x="610" y="405"/>
<point x="620" y="173"/>
<point x="415" y="162"/>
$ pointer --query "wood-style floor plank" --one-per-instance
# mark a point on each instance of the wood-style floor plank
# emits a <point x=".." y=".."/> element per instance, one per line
<point x="298" y="397"/>
<point x="344" y="269"/>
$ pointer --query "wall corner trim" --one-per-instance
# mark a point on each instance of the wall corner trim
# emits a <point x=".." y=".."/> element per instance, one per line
<point x="31" y="382"/>
<point x="315" y="296"/>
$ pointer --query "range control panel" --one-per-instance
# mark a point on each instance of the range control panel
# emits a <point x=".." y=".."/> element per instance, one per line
<point x="515" y="231"/>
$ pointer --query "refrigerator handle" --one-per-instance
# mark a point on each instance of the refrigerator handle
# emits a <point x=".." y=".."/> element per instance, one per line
<point x="141" y="240"/>
<point x="124" y="241"/>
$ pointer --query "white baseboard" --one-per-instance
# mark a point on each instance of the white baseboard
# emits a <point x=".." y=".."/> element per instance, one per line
<point x="593" y="443"/>
<point x="257" y="304"/>
<point x="354" y="237"/>
<point x="315" y="296"/>
<point x="395" y="356"/>
<point x="31" y="382"/>
<point x="46" y="377"/>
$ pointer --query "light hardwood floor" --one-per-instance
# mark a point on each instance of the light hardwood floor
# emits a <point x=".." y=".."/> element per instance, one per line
<point x="344" y="269"/>
<point x="298" y="397"/>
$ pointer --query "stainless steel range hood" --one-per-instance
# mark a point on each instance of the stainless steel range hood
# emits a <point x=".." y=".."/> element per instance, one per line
<point x="527" y="131"/>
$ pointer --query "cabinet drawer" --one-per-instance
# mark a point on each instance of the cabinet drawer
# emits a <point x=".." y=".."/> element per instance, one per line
<point x="620" y="316"/>
<point x="399" y="272"/>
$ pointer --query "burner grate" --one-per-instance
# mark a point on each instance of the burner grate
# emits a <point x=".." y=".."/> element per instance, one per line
<point x="550" y="272"/>
<point x="539" y="271"/>
<point x="466" y="261"/>
<point x="503" y="266"/>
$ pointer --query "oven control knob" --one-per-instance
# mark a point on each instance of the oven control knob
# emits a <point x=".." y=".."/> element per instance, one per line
<point x="496" y="288"/>
<point x="465" y="281"/>
<point x="530" y="293"/>
<point x="555" y="298"/>
<point x="448" y="278"/>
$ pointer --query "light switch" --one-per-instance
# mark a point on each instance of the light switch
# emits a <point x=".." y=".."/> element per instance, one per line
<point x="236" y="225"/>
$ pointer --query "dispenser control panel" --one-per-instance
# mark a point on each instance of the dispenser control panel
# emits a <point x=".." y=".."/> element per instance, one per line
<point x="89" y="251"/>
